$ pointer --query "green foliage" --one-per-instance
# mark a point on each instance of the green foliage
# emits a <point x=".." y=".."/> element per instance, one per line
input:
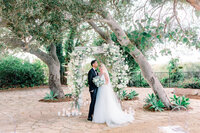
<point x="175" y="70"/>
<point x="175" y="74"/>
<point x="68" y="95"/>
<point x="34" y="18"/>
<point x="154" y="103"/>
<point x="143" y="37"/>
<point x="128" y="58"/>
<point x="192" y="85"/>
<point x="193" y="82"/>
<point x="165" y="81"/>
<point x="69" y="43"/>
<point x="59" y="52"/>
<point x="156" y="2"/>
<point x="98" y="42"/>
<point x="132" y="94"/>
<point x="50" y="96"/>
<point x="16" y="72"/>
<point x="137" y="80"/>
<point x="180" y="101"/>
<point x="133" y="66"/>
<point x="124" y="94"/>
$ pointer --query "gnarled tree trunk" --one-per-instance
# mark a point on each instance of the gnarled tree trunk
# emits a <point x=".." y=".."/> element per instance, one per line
<point x="53" y="64"/>
<point x="54" y="79"/>
<point x="145" y="67"/>
<point x="50" y="59"/>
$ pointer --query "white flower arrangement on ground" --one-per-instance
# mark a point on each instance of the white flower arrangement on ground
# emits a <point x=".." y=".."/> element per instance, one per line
<point x="98" y="81"/>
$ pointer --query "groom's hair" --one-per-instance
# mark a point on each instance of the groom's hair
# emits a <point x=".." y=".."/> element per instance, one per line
<point x="93" y="62"/>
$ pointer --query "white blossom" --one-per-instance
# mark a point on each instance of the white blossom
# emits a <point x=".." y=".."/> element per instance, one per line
<point x="113" y="60"/>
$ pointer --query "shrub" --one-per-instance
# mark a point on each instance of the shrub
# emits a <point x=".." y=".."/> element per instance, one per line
<point x="175" y="70"/>
<point x="124" y="94"/>
<point x="192" y="85"/>
<point x="180" y="101"/>
<point x="51" y="96"/>
<point x="195" y="84"/>
<point x="154" y="103"/>
<point x="128" y="96"/>
<point x="132" y="94"/>
<point x="16" y="72"/>
<point x="137" y="80"/>
<point x="165" y="81"/>
<point x="68" y="95"/>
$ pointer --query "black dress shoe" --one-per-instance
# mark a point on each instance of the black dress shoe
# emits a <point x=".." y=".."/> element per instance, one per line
<point x="89" y="119"/>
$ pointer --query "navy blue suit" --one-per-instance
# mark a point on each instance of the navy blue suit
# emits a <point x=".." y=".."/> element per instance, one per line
<point x="93" y="91"/>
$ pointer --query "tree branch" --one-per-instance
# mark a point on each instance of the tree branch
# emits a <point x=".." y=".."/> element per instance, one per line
<point x="12" y="41"/>
<point x="160" y="12"/>
<point x="41" y="55"/>
<point x="16" y="42"/>
<point x="122" y="37"/>
<point x="145" y="67"/>
<point x="195" y="4"/>
<point x="100" y="32"/>
<point x="175" y="14"/>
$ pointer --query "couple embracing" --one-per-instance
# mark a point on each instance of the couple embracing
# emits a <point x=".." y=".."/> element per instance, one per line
<point x="105" y="106"/>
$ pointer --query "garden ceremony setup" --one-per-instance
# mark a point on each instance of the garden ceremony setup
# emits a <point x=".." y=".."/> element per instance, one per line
<point x="99" y="66"/>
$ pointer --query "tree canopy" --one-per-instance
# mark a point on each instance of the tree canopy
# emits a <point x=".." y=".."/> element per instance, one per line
<point x="31" y="24"/>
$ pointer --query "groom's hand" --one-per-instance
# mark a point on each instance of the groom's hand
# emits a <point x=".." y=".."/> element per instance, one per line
<point x="92" y="91"/>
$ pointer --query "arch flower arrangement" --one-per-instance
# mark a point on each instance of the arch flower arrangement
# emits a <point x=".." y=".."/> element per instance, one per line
<point x="118" y="69"/>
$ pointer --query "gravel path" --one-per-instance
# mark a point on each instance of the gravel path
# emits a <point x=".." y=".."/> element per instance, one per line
<point x="20" y="111"/>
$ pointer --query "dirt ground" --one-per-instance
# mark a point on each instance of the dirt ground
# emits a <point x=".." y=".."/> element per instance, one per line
<point x="21" y="111"/>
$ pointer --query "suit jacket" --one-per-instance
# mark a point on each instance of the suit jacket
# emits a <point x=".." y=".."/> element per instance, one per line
<point x="91" y="75"/>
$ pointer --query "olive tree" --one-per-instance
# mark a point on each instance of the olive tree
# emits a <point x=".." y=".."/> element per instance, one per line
<point x="89" y="10"/>
<point x="32" y="26"/>
<point x="98" y="14"/>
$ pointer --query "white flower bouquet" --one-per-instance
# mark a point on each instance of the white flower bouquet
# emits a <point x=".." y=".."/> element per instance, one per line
<point x="98" y="81"/>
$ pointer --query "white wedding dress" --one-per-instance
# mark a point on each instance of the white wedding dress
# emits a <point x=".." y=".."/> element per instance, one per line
<point x="108" y="109"/>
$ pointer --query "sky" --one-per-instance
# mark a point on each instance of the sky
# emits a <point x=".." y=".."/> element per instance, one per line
<point x="183" y="52"/>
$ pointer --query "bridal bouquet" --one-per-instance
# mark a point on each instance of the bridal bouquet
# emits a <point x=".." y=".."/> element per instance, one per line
<point x="98" y="81"/>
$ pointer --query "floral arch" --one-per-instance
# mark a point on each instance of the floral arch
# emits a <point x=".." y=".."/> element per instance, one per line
<point x="111" y="57"/>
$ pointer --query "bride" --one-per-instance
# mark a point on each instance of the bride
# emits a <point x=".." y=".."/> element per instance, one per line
<point x="107" y="108"/>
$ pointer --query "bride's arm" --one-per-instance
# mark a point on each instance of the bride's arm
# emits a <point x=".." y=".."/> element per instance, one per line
<point x="106" y="78"/>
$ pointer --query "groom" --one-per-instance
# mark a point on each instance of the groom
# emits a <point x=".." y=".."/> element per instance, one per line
<point x="92" y="87"/>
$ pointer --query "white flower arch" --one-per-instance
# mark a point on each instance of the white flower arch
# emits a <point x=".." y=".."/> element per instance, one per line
<point x="114" y="60"/>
